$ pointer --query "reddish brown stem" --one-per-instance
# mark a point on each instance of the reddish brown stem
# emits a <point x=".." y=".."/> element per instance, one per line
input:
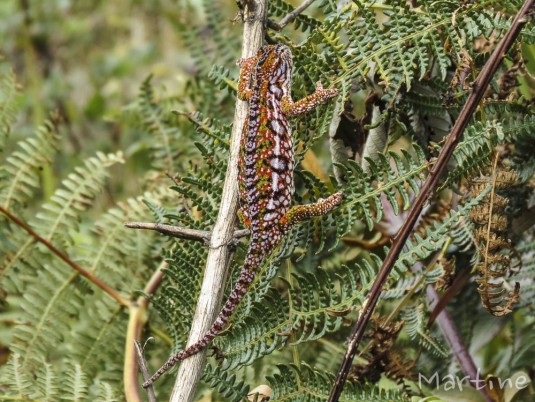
<point x="92" y="278"/>
<point x="449" y="330"/>
<point x="478" y="89"/>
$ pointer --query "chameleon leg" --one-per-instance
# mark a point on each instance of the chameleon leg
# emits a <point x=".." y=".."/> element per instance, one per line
<point x="301" y="213"/>
<point x="244" y="87"/>
<point x="309" y="103"/>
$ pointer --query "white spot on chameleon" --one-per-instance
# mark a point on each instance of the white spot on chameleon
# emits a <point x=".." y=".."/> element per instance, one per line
<point x="274" y="181"/>
<point x="277" y="163"/>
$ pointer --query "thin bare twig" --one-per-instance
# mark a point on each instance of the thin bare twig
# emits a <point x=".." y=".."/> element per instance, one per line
<point x="144" y="370"/>
<point x="181" y="232"/>
<point x="478" y="90"/>
<point x="92" y="278"/>
<point x="290" y="17"/>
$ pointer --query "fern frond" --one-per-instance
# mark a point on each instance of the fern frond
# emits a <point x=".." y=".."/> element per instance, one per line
<point x="9" y="105"/>
<point x="362" y="198"/>
<point x="106" y="393"/>
<point x="220" y="76"/>
<point x="416" y="327"/>
<point x="62" y="212"/>
<point x="75" y="385"/>
<point x="175" y="302"/>
<point x="305" y="384"/>
<point x="418" y="248"/>
<point x="316" y="305"/>
<point x="19" y="175"/>
<point x="47" y="383"/>
<point x="119" y="257"/>
<point x="19" y="383"/>
<point x="225" y="384"/>
<point x="48" y="308"/>
<point x="473" y="152"/>
<point x="493" y="246"/>
<point x="47" y="313"/>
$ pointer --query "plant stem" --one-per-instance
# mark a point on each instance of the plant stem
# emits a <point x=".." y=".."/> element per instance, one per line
<point x="92" y="278"/>
<point x="290" y="16"/>
<point x="181" y="232"/>
<point x="449" y="330"/>
<point x="478" y="90"/>
<point x="220" y="254"/>
<point x="137" y="317"/>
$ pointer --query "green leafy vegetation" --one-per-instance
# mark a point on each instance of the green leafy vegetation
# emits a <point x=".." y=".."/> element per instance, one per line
<point x="114" y="112"/>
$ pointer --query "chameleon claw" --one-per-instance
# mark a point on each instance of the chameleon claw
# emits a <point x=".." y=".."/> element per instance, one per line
<point x="330" y="92"/>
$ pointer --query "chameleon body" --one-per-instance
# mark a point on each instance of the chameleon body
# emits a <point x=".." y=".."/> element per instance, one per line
<point x="266" y="167"/>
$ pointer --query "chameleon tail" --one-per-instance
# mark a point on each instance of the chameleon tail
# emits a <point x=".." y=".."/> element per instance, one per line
<point x="240" y="289"/>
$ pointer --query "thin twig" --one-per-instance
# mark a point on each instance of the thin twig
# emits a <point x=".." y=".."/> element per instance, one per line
<point x="219" y="252"/>
<point x="92" y="278"/>
<point x="144" y="370"/>
<point x="181" y="232"/>
<point x="478" y="90"/>
<point x="290" y="17"/>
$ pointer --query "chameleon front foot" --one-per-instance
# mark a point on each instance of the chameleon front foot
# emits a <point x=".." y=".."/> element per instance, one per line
<point x="300" y="213"/>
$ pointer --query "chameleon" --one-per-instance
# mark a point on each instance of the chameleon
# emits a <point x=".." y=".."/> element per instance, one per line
<point x="265" y="172"/>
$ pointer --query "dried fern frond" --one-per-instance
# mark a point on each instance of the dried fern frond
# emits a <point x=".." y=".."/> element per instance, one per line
<point x="494" y="248"/>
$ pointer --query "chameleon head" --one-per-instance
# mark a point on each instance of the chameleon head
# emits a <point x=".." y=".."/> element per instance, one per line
<point x="276" y="61"/>
<point x="276" y="51"/>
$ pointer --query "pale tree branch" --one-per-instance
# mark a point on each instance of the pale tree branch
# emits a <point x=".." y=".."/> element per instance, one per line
<point x="181" y="232"/>
<point x="219" y="253"/>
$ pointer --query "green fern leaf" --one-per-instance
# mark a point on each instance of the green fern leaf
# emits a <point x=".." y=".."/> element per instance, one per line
<point x="304" y="384"/>
<point x="19" y="383"/>
<point x="225" y="384"/>
<point x="19" y="176"/>
<point x="75" y="385"/>
<point x="416" y="327"/>
<point x="9" y="105"/>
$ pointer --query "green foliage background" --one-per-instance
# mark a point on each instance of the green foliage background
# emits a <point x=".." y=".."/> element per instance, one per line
<point x="102" y="101"/>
